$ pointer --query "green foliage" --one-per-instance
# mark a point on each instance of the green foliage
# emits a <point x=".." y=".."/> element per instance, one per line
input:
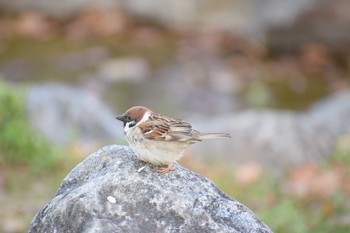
<point x="342" y="153"/>
<point x="285" y="217"/>
<point x="19" y="144"/>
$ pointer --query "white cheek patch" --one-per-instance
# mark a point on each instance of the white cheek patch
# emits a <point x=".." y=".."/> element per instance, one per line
<point x="127" y="126"/>
<point x="126" y="129"/>
<point x="131" y="124"/>
<point x="144" y="118"/>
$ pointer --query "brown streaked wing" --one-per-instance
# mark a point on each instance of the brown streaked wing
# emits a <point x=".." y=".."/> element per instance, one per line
<point x="159" y="127"/>
<point x="154" y="130"/>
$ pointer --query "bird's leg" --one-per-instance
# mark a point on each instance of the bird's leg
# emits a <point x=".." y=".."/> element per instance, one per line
<point x="164" y="170"/>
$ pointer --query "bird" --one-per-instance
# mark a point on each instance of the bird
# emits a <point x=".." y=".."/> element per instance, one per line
<point x="158" y="139"/>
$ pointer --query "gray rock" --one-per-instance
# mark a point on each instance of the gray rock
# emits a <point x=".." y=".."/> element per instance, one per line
<point x="278" y="140"/>
<point x="332" y="113"/>
<point x="106" y="193"/>
<point x="63" y="114"/>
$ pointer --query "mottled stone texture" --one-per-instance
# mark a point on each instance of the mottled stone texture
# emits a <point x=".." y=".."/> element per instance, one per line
<point x="145" y="201"/>
<point x="62" y="114"/>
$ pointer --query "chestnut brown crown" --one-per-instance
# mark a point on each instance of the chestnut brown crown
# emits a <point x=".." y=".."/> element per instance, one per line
<point x="133" y="114"/>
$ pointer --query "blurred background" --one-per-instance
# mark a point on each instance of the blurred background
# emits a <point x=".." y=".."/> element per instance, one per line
<point x="273" y="73"/>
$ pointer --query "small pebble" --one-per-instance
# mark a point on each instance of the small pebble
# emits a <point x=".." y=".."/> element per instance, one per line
<point x="111" y="199"/>
<point x="141" y="168"/>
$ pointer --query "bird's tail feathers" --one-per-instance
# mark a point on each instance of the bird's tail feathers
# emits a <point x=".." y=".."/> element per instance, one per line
<point x="204" y="136"/>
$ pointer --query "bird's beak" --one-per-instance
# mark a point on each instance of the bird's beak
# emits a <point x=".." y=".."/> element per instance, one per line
<point x="121" y="118"/>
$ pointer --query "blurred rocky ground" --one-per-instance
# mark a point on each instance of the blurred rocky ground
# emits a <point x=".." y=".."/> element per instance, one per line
<point x="65" y="115"/>
<point x="279" y="140"/>
<point x="253" y="17"/>
<point x="237" y="60"/>
<point x="285" y="23"/>
<point x="275" y="140"/>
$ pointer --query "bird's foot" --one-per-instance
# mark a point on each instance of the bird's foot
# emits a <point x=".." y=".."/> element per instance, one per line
<point x="142" y="161"/>
<point x="164" y="170"/>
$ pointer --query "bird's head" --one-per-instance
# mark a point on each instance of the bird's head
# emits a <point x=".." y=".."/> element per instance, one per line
<point x="134" y="116"/>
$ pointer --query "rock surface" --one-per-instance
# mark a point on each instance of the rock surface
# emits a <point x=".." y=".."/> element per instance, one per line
<point x="62" y="113"/>
<point x="278" y="140"/>
<point x="106" y="193"/>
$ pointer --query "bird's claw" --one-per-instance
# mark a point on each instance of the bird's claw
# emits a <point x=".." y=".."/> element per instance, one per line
<point x="164" y="170"/>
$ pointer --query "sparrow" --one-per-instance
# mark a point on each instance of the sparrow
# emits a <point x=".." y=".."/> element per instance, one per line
<point x="158" y="139"/>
